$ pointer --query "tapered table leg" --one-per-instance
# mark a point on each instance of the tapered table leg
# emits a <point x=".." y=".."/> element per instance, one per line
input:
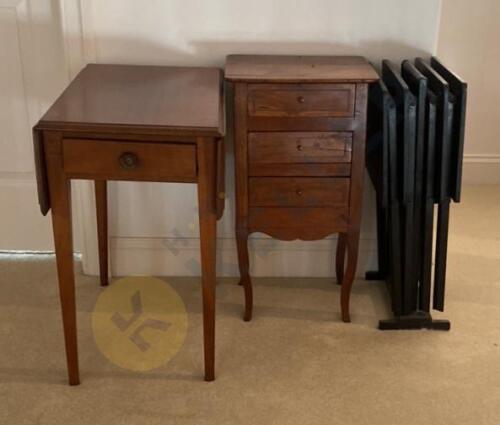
<point x="340" y="257"/>
<point x="243" y="263"/>
<point x="60" y="199"/>
<point x="352" y="261"/>
<point x="101" y="203"/>
<point x="208" y="218"/>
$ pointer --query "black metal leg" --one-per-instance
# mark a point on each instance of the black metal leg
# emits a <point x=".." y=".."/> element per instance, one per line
<point x="410" y="280"/>
<point x="441" y="254"/>
<point x="382" y="248"/>
<point x="426" y="256"/>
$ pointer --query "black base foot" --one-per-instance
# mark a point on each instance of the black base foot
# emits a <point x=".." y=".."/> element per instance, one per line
<point x="375" y="275"/>
<point x="417" y="320"/>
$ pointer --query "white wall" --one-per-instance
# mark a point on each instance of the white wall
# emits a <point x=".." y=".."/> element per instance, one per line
<point x="469" y="41"/>
<point x="32" y="73"/>
<point x="154" y="227"/>
<point x="201" y="32"/>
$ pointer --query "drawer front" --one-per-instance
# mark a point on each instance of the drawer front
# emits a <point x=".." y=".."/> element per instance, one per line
<point x="298" y="223"/>
<point x="118" y="160"/>
<point x="299" y="147"/>
<point x="298" y="192"/>
<point x="301" y="100"/>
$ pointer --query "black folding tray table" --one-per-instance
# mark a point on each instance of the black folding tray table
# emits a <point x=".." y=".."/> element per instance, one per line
<point x="406" y="108"/>
<point x="445" y="114"/>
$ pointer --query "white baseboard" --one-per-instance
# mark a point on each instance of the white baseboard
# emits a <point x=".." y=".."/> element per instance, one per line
<point x="268" y="257"/>
<point x="481" y="169"/>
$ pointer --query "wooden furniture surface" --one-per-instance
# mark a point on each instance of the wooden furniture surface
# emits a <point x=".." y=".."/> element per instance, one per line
<point x="297" y="69"/>
<point x="140" y="123"/>
<point x="133" y="97"/>
<point x="299" y="134"/>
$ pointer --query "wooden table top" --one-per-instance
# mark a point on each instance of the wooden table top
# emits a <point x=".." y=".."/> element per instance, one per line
<point x="275" y="68"/>
<point x="128" y="98"/>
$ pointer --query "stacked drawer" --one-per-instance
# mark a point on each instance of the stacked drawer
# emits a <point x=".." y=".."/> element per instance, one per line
<point x="299" y="156"/>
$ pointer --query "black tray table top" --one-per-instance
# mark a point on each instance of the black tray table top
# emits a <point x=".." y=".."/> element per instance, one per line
<point x="406" y="113"/>
<point x="445" y="99"/>
<point x="377" y="146"/>
<point x="458" y="88"/>
<point x="380" y="103"/>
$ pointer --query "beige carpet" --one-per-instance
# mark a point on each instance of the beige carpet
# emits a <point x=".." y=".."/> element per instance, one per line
<point x="295" y="363"/>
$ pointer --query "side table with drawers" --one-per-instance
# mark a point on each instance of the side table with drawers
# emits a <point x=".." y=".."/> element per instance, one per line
<point x="132" y="123"/>
<point x="299" y="134"/>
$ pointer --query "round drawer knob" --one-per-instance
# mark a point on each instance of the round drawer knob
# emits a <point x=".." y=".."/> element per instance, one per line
<point x="300" y="148"/>
<point x="301" y="99"/>
<point x="128" y="160"/>
<point x="299" y="192"/>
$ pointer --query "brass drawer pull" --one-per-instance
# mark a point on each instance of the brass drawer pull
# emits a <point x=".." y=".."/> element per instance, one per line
<point x="128" y="160"/>
<point x="301" y="99"/>
<point x="299" y="192"/>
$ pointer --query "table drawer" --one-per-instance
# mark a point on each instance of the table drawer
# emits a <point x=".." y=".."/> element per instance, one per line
<point x="301" y="100"/>
<point x="118" y="160"/>
<point x="298" y="223"/>
<point x="299" y="147"/>
<point x="298" y="192"/>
